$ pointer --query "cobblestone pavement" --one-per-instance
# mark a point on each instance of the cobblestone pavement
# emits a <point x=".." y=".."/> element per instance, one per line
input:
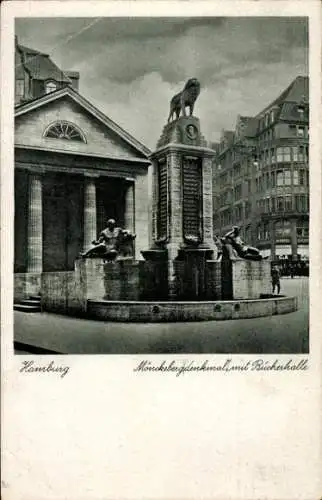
<point x="277" y="334"/>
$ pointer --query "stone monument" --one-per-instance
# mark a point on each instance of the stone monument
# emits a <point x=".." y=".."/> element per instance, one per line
<point x="113" y="243"/>
<point x="182" y="212"/>
<point x="107" y="270"/>
<point x="245" y="274"/>
<point x="182" y="277"/>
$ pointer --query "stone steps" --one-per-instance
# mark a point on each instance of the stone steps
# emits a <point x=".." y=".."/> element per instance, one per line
<point x="30" y="302"/>
<point x="30" y="305"/>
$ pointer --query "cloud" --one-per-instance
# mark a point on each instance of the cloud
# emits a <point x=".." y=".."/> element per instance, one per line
<point x="130" y="68"/>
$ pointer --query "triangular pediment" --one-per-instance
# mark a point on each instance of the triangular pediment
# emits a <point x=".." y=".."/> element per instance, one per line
<point x="101" y="136"/>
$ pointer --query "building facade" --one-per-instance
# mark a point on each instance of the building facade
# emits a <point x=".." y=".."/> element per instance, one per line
<point x="261" y="177"/>
<point x="74" y="169"/>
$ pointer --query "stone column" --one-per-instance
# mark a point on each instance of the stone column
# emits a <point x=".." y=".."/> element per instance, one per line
<point x="129" y="208"/>
<point x="176" y="205"/>
<point x="155" y="197"/>
<point x="293" y="239"/>
<point x="89" y="212"/>
<point x="207" y="205"/>
<point x="35" y="225"/>
<point x="273" y="238"/>
<point x="175" y="218"/>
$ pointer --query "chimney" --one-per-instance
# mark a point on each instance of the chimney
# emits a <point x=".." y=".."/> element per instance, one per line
<point x="74" y="77"/>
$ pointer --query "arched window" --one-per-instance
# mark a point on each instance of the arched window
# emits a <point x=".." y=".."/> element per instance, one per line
<point x="50" y="87"/>
<point x="64" y="130"/>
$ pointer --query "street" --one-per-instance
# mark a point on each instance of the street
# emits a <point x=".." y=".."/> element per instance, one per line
<point x="283" y="334"/>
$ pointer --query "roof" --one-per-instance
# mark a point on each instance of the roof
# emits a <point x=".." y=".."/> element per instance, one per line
<point x="290" y="112"/>
<point x="27" y="50"/>
<point x="40" y="66"/>
<point x="43" y="100"/>
<point x="296" y="92"/>
<point x="252" y="127"/>
<point x="71" y="74"/>
<point x="247" y="125"/>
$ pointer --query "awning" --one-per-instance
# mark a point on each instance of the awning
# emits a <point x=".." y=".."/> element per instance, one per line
<point x="266" y="252"/>
<point x="303" y="250"/>
<point x="283" y="250"/>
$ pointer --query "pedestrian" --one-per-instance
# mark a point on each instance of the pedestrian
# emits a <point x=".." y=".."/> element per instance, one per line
<point x="276" y="280"/>
<point x="292" y="272"/>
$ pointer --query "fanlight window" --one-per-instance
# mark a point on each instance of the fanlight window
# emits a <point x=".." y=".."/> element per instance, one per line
<point x="50" y="87"/>
<point x="65" y="130"/>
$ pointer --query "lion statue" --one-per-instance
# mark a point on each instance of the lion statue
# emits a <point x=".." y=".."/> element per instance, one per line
<point x="187" y="97"/>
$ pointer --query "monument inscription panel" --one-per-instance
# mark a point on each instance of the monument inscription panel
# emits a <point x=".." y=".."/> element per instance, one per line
<point x="163" y="199"/>
<point x="192" y="208"/>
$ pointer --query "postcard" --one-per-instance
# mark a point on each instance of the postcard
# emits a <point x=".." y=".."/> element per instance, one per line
<point x="161" y="250"/>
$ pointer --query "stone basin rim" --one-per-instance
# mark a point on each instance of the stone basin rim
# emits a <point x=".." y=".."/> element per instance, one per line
<point x="188" y="302"/>
<point x="180" y="311"/>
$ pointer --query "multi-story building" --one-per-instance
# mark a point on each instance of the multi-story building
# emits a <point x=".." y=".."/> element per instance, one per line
<point x="261" y="176"/>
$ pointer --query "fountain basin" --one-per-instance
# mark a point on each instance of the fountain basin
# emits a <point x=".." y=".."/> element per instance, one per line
<point x="181" y="311"/>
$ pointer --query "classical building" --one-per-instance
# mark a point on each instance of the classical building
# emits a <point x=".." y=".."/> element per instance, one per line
<point x="261" y="176"/>
<point x="74" y="168"/>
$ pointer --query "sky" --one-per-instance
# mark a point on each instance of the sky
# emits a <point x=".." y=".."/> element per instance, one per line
<point x="131" y="67"/>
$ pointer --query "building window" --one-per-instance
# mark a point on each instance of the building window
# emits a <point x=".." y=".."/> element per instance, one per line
<point x="302" y="229"/>
<point x="50" y="87"/>
<point x="238" y="192"/>
<point x="300" y="110"/>
<point x="64" y="130"/>
<point x="273" y="157"/>
<point x="273" y="205"/>
<point x="283" y="154"/>
<point x="267" y="157"/>
<point x="266" y="233"/>
<point x="280" y="204"/>
<point x="20" y="88"/>
<point x="237" y="171"/>
<point x="295" y="178"/>
<point x="247" y="209"/>
<point x="302" y="203"/>
<point x="300" y="131"/>
<point x="301" y="177"/>
<point x="273" y="179"/>
<point x="288" y="203"/>
<point x="266" y="119"/>
<point x="272" y="116"/>
<point x="295" y="153"/>
<point x="238" y="213"/>
<point x="287" y="178"/>
<point x="283" y="178"/>
<point x="280" y="178"/>
<point x="282" y="229"/>
<point x="300" y="153"/>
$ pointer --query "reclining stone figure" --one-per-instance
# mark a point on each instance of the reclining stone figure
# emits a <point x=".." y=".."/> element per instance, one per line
<point x="234" y="246"/>
<point x="112" y="242"/>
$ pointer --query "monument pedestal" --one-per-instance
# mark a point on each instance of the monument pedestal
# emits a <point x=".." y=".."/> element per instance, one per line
<point x="99" y="280"/>
<point x="245" y="279"/>
<point x="182" y="209"/>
